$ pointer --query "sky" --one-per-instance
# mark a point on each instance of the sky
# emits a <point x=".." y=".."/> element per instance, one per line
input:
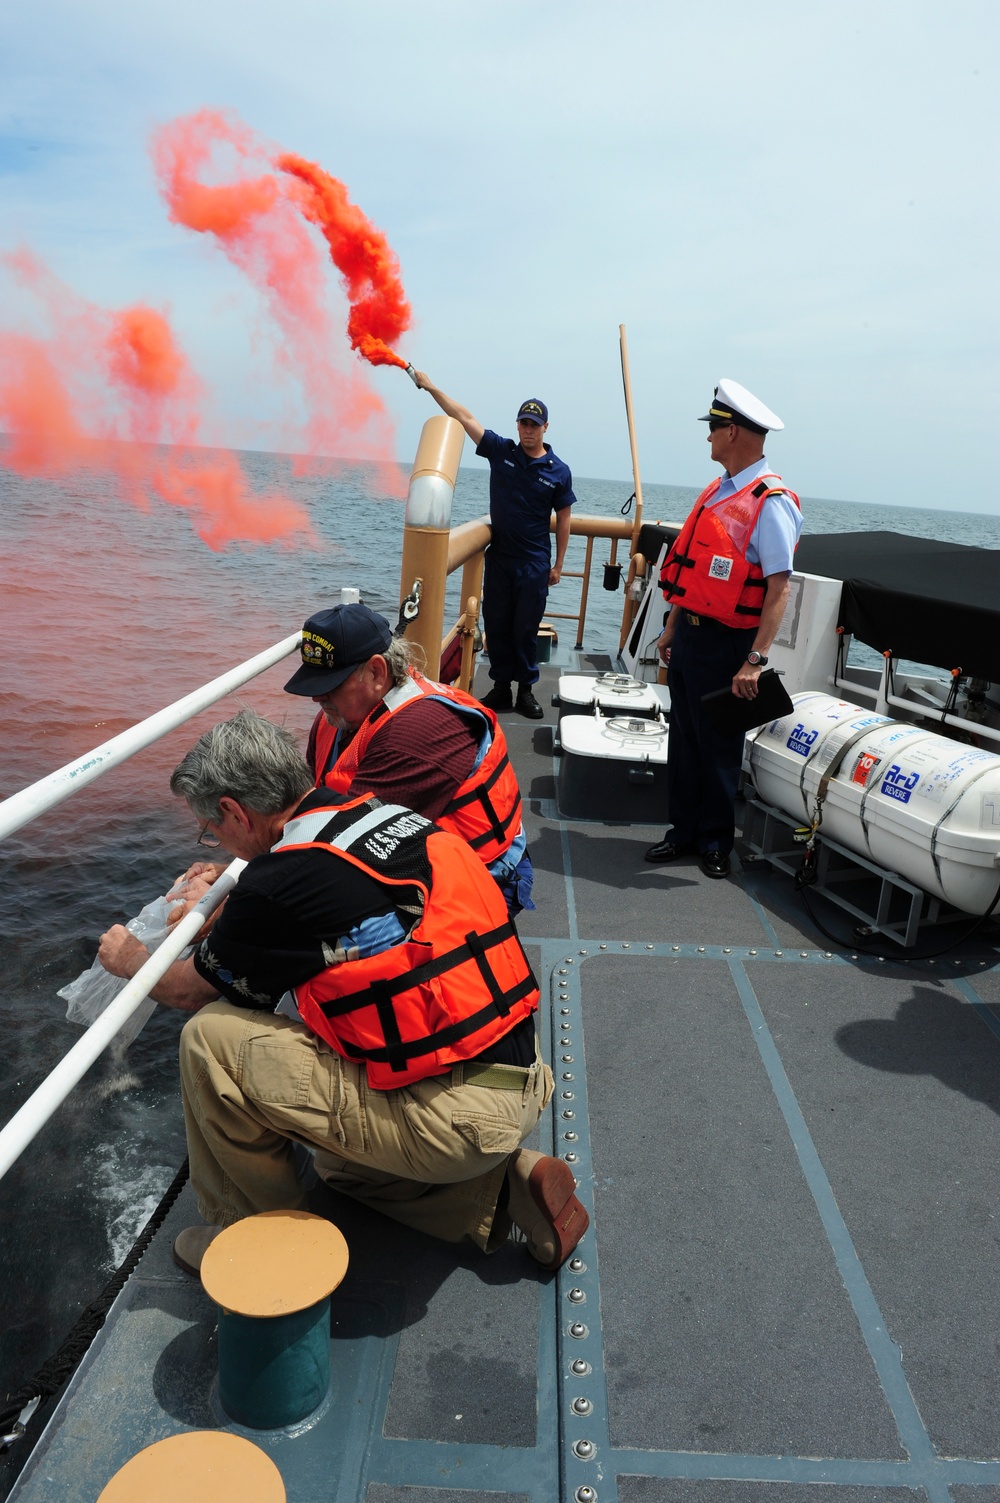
<point x="799" y="197"/>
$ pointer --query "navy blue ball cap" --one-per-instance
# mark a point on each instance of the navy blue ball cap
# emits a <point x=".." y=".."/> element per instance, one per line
<point x="334" y="643"/>
<point x="533" y="411"/>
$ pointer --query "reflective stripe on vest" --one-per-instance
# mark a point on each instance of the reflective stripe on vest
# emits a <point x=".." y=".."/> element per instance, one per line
<point x="710" y="558"/>
<point x="456" y="984"/>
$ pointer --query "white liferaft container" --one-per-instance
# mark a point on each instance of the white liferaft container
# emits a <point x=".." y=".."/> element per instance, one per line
<point x="917" y="803"/>
<point x="612" y="694"/>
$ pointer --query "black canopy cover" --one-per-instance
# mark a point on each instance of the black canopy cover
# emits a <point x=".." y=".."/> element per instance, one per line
<point x="931" y="602"/>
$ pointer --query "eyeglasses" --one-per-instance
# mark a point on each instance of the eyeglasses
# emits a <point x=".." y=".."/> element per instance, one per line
<point x="718" y="423"/>
<point x="207" y="839"/>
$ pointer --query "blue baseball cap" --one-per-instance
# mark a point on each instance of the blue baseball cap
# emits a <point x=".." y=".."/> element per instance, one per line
<point x="533" y="411"/>
<point x="334" y="643"/>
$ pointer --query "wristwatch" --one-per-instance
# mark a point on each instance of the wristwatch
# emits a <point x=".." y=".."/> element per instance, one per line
<point x="757" y="659"/>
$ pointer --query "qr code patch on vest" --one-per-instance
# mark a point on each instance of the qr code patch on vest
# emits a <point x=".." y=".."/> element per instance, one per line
<point x="720" y="568"/>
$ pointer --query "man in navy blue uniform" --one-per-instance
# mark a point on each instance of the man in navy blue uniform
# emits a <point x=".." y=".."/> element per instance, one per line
<point x="527" y="483"/>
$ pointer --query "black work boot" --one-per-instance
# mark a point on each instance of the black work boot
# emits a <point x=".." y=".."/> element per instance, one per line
<point x="499" y="698"/>
<point x="527" y="704"/>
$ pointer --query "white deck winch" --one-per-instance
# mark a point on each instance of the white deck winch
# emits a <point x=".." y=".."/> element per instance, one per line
<point x="915" y="802"/>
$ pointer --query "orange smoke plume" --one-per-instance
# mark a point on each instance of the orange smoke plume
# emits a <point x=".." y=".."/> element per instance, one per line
<point x="370" y="268"/>
<point x="261" y="222"/>
<point x="105" y="387"/>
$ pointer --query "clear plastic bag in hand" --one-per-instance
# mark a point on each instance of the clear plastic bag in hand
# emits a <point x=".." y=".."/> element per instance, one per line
<point x="94" y="990"/>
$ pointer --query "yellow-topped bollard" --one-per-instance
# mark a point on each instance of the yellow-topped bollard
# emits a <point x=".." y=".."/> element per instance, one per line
<point x="272" y="1276"/>
<point x="201" y="1466"/>
<point x="427" y="528"/>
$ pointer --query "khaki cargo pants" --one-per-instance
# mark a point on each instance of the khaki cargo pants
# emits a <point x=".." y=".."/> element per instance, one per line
<point x="432" y="1155"/>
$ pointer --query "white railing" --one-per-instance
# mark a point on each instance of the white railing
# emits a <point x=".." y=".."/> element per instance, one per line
<point x="22" y="807"/>
<point x="26" y="805"/>
<point x="30" y="1118"/>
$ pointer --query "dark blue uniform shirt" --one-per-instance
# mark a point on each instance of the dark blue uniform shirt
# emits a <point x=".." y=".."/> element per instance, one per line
<point x="523" y="494"/>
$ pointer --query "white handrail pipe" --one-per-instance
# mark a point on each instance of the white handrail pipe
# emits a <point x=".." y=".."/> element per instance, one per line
<point x="30" y="1118"/>
<point x="26" y="805"/>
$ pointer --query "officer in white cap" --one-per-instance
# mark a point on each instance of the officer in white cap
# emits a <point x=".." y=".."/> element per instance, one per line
<point x="726" y="584"/>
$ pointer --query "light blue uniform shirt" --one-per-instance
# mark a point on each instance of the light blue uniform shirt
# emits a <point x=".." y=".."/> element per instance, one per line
<point x="772" y="542"/>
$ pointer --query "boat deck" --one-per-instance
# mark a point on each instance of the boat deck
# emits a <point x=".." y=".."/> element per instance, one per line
<point x="789" y="1287"/>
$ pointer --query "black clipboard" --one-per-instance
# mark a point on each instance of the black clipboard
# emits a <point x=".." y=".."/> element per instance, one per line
<point x="733" y="716"/>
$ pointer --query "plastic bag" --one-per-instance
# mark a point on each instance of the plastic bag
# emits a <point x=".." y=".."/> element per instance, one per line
<point x="94" y="990"/>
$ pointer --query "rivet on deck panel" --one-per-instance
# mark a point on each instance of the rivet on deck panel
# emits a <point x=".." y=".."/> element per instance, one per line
<point x="626" y="945"/>
<point x="675" y="947"/>
<point x="583" y="952"/>
<point x="577" y="1265"/>
<point x="753" y="952"/>
<point x="779" y="953"/>
<point x="701" y="949"/>
<point x="604" y="947"/>
<point x="569" y="1095"/>
<point x="568" y="960"/>
<point x="585" y="1495"/>
<point x="584" y="1449"/>
<point x="727" y="950"/>
<point x="576" y="1296"/>
<point x="567" y="1076"/>
<point x="650" y="947"/>
<point x="581" y="1367"/>
<point x="564" y="1042"/>
<point x="567" y="1059"/>
<point x="827" y="954"/>
<point x="571" y="1137"/>
<point x="564" y="1012"/>
<point x="578" y="1330"/>
<point x="582" y="1406"/>
<point x="569" y="1115"/>
<point x="571" y="1158"/>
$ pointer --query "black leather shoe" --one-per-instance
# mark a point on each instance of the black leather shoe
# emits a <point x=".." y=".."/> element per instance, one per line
<point x="667" y="850"/>
<point x="715" y="863"/>
<point x="527" y="704"/>
<point x="499" y="698"/>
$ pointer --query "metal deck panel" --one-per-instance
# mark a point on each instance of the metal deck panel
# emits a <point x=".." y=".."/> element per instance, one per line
<point x="726" y="1325"/>
<point x="899" y="1082"/>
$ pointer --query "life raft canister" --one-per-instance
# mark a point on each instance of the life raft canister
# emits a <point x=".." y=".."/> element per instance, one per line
<point x="707" y="571"/>
<point x="486" y="808"/>
<point x="456" y="984"/>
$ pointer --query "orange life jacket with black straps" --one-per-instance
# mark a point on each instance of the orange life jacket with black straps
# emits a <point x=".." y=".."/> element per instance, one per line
<point x="485" y="810"/>
<point x="457" y="983"/>
<point x="707" y="571"/>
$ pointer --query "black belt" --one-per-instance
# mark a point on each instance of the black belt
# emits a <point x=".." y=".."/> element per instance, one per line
<point x="693" y="620"/>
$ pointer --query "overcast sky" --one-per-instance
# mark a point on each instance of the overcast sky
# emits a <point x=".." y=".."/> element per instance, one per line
<point x="801" y="197"/>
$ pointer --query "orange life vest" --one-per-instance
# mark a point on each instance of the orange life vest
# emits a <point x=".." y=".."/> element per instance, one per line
<point x="485" y="810"/>
<point x="707" y="571"/>
<point x="457" y="983"/>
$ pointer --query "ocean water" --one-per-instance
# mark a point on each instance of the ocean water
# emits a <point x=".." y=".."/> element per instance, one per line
<point x="110" y="612"/>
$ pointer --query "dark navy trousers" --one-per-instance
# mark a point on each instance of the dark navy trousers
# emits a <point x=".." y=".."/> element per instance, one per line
<point x="514" y="595"/>
<point x="703" y="767"/>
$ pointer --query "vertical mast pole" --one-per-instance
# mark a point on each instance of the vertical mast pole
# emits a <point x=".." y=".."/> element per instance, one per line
<point x="627" y="611"/>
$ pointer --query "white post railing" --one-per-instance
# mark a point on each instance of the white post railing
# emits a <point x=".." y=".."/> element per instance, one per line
<point x="30" y="1118"/>
<point x="49" y="791"/>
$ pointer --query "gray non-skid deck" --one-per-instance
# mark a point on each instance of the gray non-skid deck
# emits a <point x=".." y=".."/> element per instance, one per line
<point x="789" y="1288"/>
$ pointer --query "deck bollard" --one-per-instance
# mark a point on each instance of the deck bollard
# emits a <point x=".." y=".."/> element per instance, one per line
<point x="272" y="1276"/>
<point x="201" y="1466"/>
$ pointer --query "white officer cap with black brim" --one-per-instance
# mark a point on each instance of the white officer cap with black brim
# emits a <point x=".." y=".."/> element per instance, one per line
<point x="732" y="403"/>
